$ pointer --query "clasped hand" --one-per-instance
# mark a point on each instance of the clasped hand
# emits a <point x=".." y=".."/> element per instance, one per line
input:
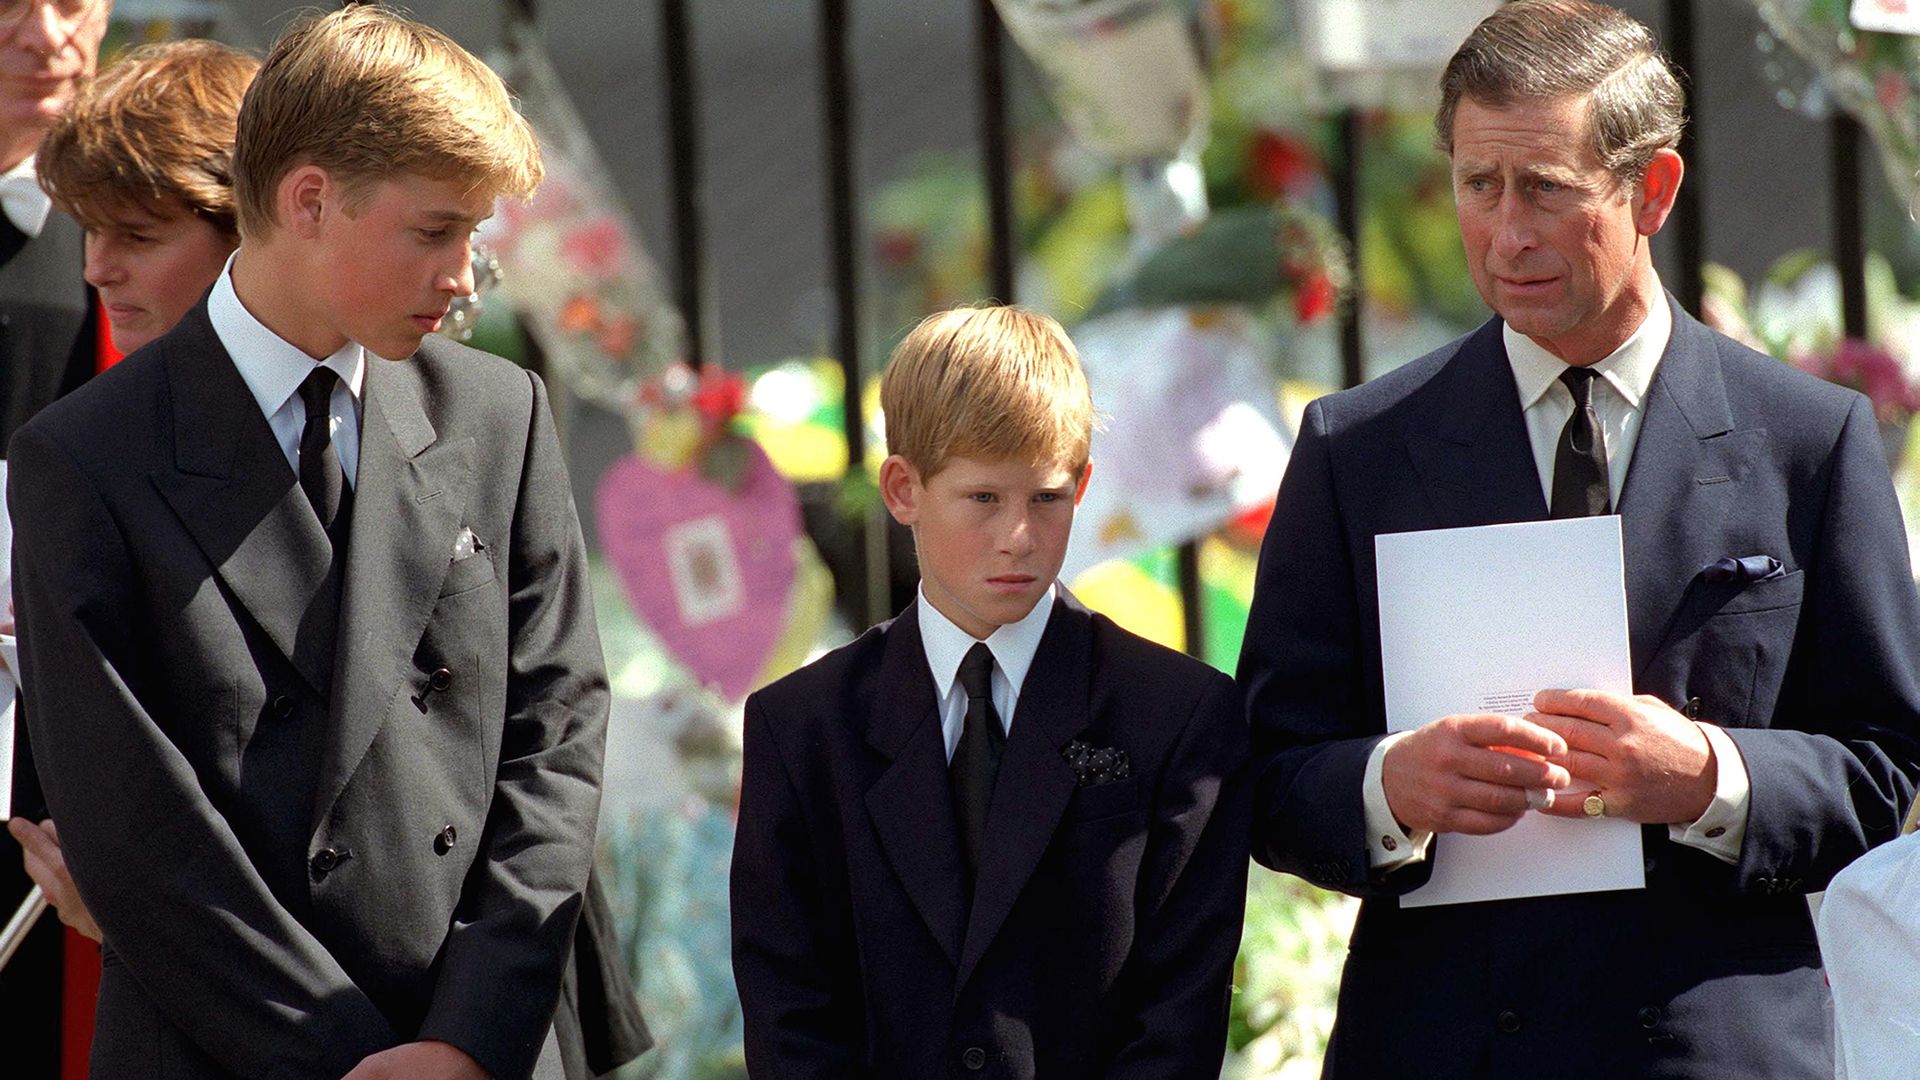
<point x="1471" y="773"/>
<point x="419" y="1061"/>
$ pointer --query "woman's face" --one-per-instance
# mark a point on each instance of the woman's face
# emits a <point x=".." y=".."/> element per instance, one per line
<point x="151" y="270"/>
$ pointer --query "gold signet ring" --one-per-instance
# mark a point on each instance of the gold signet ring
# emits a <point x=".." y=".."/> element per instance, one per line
<point x="1595" y="806"/>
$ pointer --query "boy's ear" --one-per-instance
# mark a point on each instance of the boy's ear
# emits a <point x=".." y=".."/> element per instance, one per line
<point x="1086" y="474"/>
<point x="302" y="199"/>
<point x="900" y="489"/>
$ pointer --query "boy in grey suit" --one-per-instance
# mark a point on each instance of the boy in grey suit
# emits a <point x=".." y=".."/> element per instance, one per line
<point x="318" y="699"/>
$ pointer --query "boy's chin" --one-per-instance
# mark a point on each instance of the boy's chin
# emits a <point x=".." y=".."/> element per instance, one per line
<point x="395" y="348"/>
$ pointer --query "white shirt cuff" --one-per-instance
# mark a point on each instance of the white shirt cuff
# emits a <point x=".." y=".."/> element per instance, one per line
<point x="1388" y="846"/>
<point x="1720" y="830"/>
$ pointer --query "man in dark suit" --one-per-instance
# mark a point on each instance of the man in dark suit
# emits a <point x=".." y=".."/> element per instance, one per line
<point x="47" y="344"/>
<point x="316" y="691"/>
<point x="998" y="835"/>
<point x="46" y="330"/>
<point x="1774" y="627"/>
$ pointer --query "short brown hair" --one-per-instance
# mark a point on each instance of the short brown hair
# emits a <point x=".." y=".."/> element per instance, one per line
<point x="1530" y="50"/>
<point x="986" y="382"/>
<point x="153" y="133"/>
<point x="370" y="95"/>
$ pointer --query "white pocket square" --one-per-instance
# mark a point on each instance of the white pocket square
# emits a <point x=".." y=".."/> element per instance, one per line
<point x="466" y="545"/>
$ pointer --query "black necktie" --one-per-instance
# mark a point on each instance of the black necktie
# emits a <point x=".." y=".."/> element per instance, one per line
<point x="976" y="760"/>
<point x="1580" y="461"/>
<point x="321" y="476"/>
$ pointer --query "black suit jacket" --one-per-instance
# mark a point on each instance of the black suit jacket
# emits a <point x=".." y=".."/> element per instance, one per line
<point x="1100" y="940"/>
<point x="1711" y="970"/>
<point x="305" y="845"/>
<point x="48" y="338"/>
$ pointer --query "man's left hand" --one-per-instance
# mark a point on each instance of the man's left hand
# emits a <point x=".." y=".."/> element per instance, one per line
<point x="425" y="1060"/>
<point x="1647" y="762"/>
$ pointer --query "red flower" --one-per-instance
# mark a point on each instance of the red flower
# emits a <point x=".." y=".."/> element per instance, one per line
<point x="1891" y="89"/>
<point x="596" y="247"/>
<point x="1250" y="527"/>
<point x="1870" y="370"/>
<point x="617" y="336"/>
<point x="720" y="397"/>
<point x="580" y="313"/>
<point x="1314" y="299"/>
<point x="1278" y="165"/>
<point x="896" y="247"/>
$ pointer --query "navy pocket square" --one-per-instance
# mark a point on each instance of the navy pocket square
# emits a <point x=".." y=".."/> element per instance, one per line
<point x="1744" y="570"/>
<point x="1096" y="764"/>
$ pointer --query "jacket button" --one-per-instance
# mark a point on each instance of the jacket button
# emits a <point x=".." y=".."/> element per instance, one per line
<point x="1649" y="1017"/>
<point x="443" y="841"/>
<point x="282" y="707"/>
<point x="326" y="859"/>
<point x="973" y="1058"/>
<point x="1691" y="710"/>
<point x="440" y="680"/>
<point x="1508" y="1021"/>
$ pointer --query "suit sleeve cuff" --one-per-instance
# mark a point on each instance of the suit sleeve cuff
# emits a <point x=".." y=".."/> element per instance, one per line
<point x="1719" y="831"/>
<point x="1389" y="847"/>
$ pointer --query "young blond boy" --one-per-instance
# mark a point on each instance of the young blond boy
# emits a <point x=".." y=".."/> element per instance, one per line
<point x="317" y="695"/>
<point x="998" y="834"/>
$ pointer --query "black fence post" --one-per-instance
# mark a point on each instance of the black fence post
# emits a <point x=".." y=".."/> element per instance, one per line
<point x="843" y="244"/>
<point x="1849" y="237"/>
<point x="1346" y="198"/>
<point x="1690" y="226"/>
<point x="683" y="137"/>
<point x="996" y="159"/>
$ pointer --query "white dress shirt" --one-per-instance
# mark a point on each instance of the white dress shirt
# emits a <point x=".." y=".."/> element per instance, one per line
<point x="1619" y="400"/>
<point x="273" y="369"/>
<point x="22" y="199"/>
<point x="1012" y="645"/>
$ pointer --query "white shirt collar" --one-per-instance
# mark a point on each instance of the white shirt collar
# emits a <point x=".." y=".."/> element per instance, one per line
<point x="1013" y="645"/>
<point x="272" y="367"/>
<point x="1628" y="369"/>
<point x="22" y="199"/>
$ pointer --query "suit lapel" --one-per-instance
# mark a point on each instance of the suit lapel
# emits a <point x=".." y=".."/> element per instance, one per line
<point x="236" y="495"/>
<point x="1035" y="782"/>
<point x="1686" y="474"/>
<point x="1472" y="450"/>
<point x="911" y="805"/>
<point x="408" y="504"/>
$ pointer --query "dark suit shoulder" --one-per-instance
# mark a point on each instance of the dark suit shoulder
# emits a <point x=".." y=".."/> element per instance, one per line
<point x="1120" y="654"/>
<point x="1766" y="392"/>
<point x="811" y="690"/>
<point x="454" y="380"/>
<point x="114" y="418"/>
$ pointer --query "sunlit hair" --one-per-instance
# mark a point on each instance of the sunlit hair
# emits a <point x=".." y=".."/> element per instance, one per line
<point x="989" y="383"/>
<point x="152" y="135"/>
<point x="370" y="95"/>
<point x="1531" y="50"/>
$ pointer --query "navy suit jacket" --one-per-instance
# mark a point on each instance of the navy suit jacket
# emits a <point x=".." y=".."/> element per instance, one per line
<point x="1101" y="937"/>
<point x="1712" y="969"/>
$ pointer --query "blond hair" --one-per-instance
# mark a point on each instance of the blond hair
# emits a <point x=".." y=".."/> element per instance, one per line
<point x="370" y="95"/>
<point x="986" y="382"/>
<point x="154" y="134"/>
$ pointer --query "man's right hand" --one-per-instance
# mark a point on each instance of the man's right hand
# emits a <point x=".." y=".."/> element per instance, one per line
<point x="1470" y="773"/>
<point x="40" y="847"/>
